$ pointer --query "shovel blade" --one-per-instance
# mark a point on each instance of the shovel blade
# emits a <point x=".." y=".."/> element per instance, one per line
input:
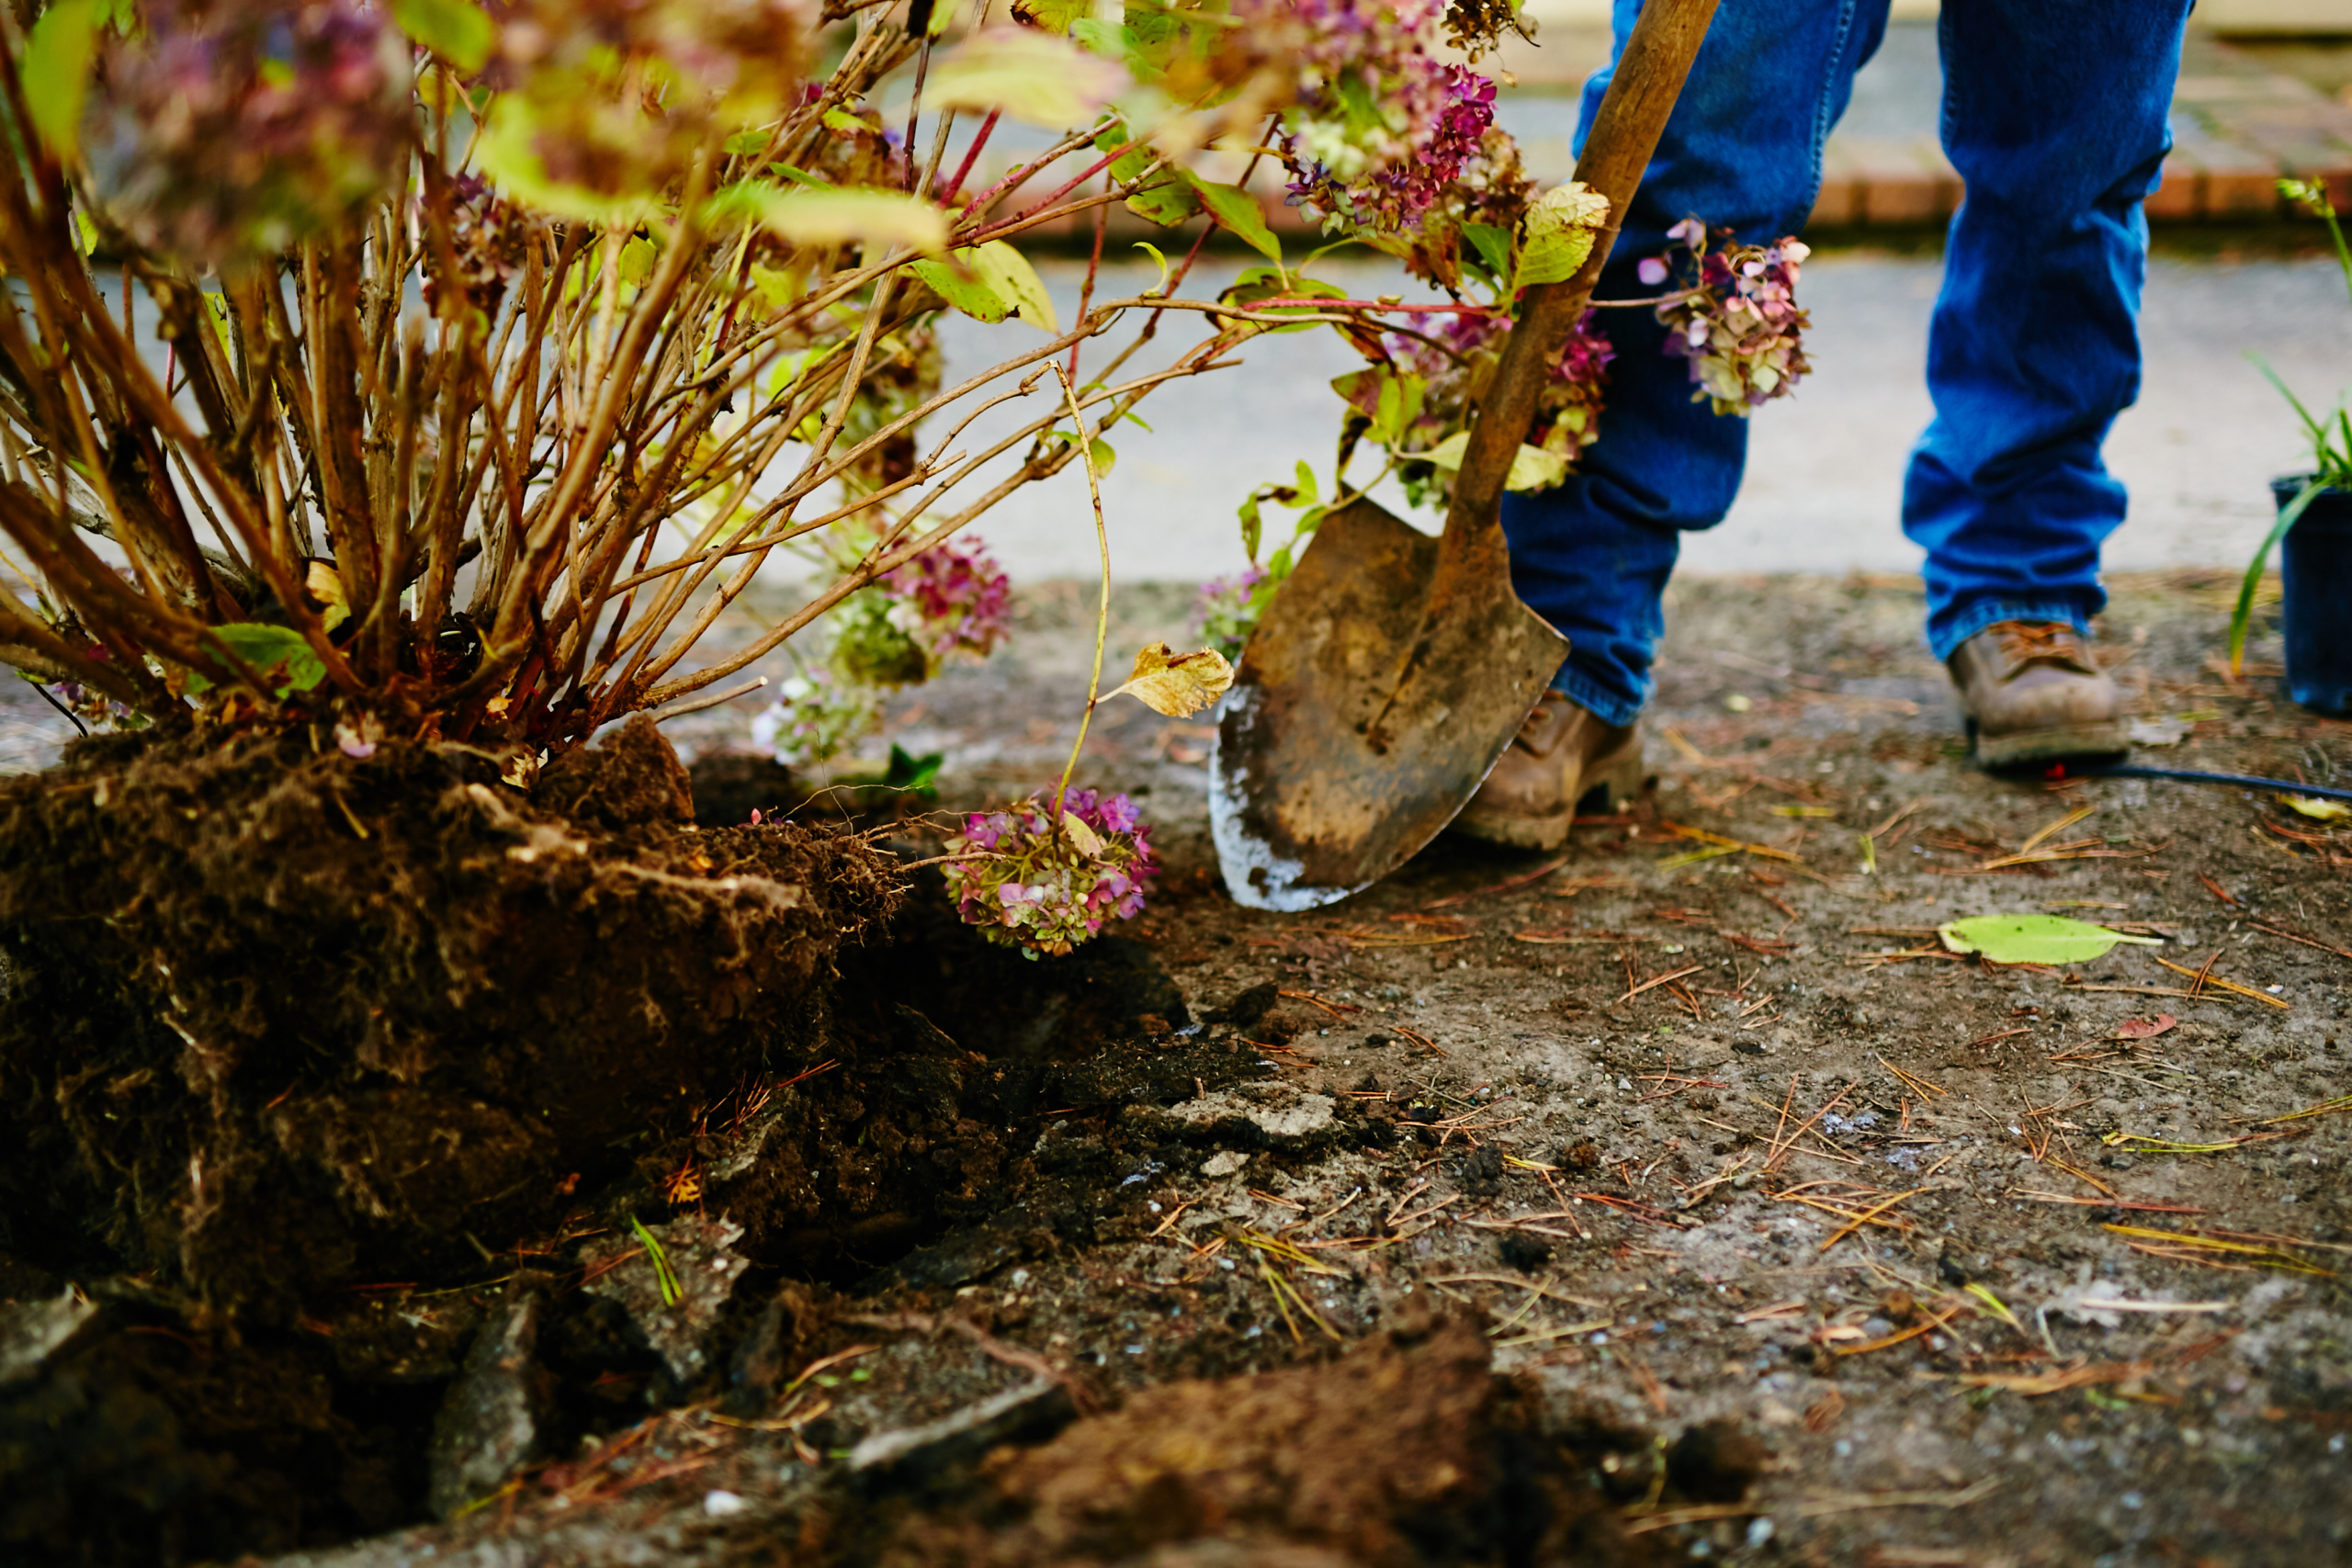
<point x="1376" y="695"/>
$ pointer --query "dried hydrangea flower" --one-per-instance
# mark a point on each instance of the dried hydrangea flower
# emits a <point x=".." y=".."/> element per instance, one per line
<point x="1737" y="322"/>
<point x="952" y="601"/>
<point x="814" y="718"/>
<point x="239" y="127"/>
<point x="1029" y="883"/>
<point x="1567" y="410"/>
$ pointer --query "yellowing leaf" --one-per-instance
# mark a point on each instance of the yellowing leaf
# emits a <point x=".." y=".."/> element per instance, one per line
<point x="58" y="54"/>
<point x="1532" y="467"/>
<point x="2318" y="809"/>
<point x="636" y="262"/>
<point x="1034" y="77"/>
<point x="1559" y="234"/>
<point x="1083" y="839"/>
<point x="507" y="151"/>
<point x="325" y="585"/>
<point x="456" y="30"/>
<point x="1177" y="684"/>
<point x="2034" y="939"/>
<point x="807" y="217"/>
<point x="989" y="282"/>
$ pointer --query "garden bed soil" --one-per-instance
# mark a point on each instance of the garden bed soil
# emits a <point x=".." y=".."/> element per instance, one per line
<point x="1638" y="1203"/>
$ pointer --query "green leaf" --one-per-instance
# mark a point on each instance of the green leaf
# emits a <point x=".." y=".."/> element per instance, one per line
<point x="1559" y="234"/>
<point x="507" y="151"/>
<point x="1237" y="212"/>
<point x="1168" y="200"/>
<point x="747" y="144"/>
<point x="1030" y="76"/>
<point x="55" y="73"/>
<point x="1162" y="287"/>
<point x="1492" y="246"/>
<point x="1308" y="493"/>
<point x="456" y="30"/>
<point x="636" y="262"/>
<point x="1051" y="16"/>
<point x="2244" y="613"/>
<point x="1109" y="39"/>
<point x="962" y="287"/>
<point x="841" y="122"/>
<point x="2034" y="939"/>
<point x="1253" y="525"/>
<point x="989" y="282"/>
<point x="1532" y="467"/>
<point x="269" y="652"/>
<point x="808" y="217"/>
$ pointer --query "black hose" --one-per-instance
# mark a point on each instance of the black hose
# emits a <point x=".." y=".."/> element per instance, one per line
<point x="2185" y="775"/>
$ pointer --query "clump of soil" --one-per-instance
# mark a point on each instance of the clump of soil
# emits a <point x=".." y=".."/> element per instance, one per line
<point x="1275" y="1469"/>
<point x="277" y="1020"/>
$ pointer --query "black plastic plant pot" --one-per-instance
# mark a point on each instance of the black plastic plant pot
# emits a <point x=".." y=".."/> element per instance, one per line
<point x="2316" y="568"/>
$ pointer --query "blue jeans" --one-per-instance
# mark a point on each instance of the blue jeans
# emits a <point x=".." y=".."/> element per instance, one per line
<point x="2055" y="114"/>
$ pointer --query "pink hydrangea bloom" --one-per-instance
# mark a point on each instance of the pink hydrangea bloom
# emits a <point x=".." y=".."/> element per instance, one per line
<point x="1028" y="886"/>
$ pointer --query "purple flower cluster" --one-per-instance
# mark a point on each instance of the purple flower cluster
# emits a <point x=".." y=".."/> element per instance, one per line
<point x="1377" y="128"/>
<point x="951" y="599"/>
<point x="238" y="127"/>
<point x="1226" y="611"/>
<point x="1045" y="888"/>
<point x="1737" y="322"/>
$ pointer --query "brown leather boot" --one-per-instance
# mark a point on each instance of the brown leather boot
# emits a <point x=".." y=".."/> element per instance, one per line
<point x="1560" y="755"/>
<point x="2031" y="693"/>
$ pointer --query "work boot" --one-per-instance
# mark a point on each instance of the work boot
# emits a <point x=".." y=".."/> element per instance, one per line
<point x="2032" y="693"/>
<point x="1560" y="755"/>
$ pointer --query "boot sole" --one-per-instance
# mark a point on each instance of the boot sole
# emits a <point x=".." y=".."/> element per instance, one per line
<point x="2104" y="738"/>
<point x="1616" y="778"/>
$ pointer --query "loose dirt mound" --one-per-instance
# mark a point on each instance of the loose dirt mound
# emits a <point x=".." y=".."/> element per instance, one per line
<point x="1276" y="1470"/>
<point x="279" y="1020"/>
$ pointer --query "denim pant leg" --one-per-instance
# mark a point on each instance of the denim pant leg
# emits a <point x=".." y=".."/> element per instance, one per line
<point x="1743" y="151"/>
<point x="2055" y="117"/>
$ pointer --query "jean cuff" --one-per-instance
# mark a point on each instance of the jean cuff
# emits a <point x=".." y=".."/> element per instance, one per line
<point x="1965" y="624"/>
<point x="1577" y="685"/>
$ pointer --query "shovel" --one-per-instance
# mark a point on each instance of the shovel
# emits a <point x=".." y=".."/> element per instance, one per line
<point x="1392" y="670"/>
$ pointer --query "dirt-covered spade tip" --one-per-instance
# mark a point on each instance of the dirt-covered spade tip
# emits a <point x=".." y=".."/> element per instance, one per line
<point x="275" y="1020"/>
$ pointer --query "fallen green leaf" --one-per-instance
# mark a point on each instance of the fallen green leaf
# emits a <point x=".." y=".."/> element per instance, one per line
<point x="2318" y="810"/>
<point x="2034" y="939"/>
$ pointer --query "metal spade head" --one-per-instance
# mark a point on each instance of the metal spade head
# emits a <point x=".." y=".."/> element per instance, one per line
<point x="1375" y="694"/>
<point x="1392" y="670"/>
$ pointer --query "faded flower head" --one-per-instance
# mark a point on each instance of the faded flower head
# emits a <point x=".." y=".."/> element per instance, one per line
<point x="1045" y="888"/>
<point x="1738" y="322"/>
<point x="951" y="601"/>
<point x="239" y="127"/>
<point x="1227" y="609"/>
<point x="814" y="718"/>
<point x="1376" y="128"/>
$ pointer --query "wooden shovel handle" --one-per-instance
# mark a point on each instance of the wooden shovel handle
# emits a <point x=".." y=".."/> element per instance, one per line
<point x="1642" y="93"/>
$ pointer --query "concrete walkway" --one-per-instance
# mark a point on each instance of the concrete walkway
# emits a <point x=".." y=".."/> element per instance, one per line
<point x="1826" y="468"/>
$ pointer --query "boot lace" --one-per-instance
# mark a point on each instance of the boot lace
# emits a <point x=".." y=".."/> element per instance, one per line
<point x="2027" y="642"/>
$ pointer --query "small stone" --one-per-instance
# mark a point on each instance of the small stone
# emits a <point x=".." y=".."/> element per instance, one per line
<point x="1226" y="1162"/>
<point x="720" y="1504"/>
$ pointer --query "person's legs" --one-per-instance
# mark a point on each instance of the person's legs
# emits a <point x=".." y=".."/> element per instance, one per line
<point x="2055" y="117"/>
<point x="1743" y="151"/>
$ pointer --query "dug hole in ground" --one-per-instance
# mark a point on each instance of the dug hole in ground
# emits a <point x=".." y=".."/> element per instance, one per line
<point x="1675" y="1198"/>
